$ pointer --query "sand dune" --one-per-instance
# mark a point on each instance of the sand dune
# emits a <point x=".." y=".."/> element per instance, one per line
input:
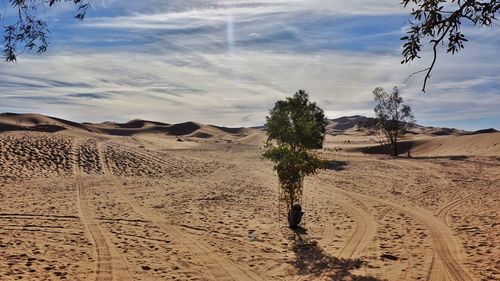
<point x="36" y="122"/>
<point x="255" y="138"/>
<point x="41" y="123"/>
<point x="138" y="123"/>
<point x="79" y="205"/>
<point x="477" y="144"/>
<point x="345" y="123"/>
<point x="349" y="125"/>
<point x="485" y="144"/>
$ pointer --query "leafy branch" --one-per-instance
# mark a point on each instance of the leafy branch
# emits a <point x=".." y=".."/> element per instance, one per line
<point x="29" y="31"/>
<point x="435" y="23"/>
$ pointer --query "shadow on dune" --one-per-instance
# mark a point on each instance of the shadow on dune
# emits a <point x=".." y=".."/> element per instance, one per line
<point x="230" y="130"/>
<point x="36" y="128"/>
<point x="71" y="123"/>
<point x="312" y="260"/>
<point x="450" y="157"/>
<point x="137" y="124"/>
<point x="403" y="148"/>
<point x="185" y="128"/>
<point x="336" y="165"/>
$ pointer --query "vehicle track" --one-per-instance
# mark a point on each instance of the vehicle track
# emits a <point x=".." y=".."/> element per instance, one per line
<point x="38" y="217"/>
<point x="436" y="271"/>
<point x="328" y="233"/>
<point x="109" y="265"/>
<point x="447" y="208"/>
<point x="363" y="232"/>
<point x="384" y="212"/>
<point x="145" y="155"/>
<point x="444" y="244"/>
<point x="36" y="230"/>
<point x="220" y="268"/>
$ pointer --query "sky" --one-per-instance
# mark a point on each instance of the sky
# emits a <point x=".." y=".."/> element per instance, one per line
<point x="228" y="62"/>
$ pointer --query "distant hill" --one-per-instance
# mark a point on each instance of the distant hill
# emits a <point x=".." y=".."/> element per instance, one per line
<point x="437" y="131"/>
<point x="345" y="123"/>
<point x="42" y="123"/>
<point x="38" y="122"/>
<point x="484" y="131"/>
<point x="348" y="124"/>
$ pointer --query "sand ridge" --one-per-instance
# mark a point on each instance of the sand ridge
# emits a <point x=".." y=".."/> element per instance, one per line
<point x="91" y="206"/>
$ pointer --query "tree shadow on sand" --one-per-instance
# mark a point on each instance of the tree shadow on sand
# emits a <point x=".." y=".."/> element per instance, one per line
<point x="312" y="261"/>
<point x="336" y="165"/>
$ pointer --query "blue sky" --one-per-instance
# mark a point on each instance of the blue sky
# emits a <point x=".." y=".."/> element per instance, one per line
<point x="227" y="62"/>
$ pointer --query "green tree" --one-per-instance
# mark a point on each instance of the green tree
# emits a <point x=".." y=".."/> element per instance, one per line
<point x="295" y="127"/>
<point x="440" y="21"/>
<point x="393" y="118"/>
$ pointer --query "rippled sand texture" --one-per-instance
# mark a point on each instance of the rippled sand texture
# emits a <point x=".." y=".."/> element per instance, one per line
<point x="149" y="207"/>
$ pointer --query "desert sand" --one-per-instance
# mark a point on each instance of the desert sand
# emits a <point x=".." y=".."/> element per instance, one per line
<point x="146" y="200"/>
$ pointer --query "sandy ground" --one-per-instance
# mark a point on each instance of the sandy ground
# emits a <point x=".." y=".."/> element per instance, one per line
<point x="94" y="207"/>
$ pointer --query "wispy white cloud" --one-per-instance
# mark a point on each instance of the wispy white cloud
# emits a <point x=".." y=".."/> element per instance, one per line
<point x="178" y="63"/>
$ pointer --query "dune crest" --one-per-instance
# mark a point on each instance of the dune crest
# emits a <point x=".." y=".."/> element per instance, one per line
<point x="146" y="200"/>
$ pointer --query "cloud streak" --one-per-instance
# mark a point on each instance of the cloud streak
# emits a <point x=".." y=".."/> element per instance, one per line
<point x="228" y="62"/>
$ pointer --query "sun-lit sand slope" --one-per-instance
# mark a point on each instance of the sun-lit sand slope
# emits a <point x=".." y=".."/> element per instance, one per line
<point x="145" y="200"/>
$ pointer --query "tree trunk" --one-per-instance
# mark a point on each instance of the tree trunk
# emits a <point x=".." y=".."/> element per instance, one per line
<point x="395" y="144"/>
<point x="294" y="212"/>
<point x="295" y="216"/>
<point x="290" y="207"/>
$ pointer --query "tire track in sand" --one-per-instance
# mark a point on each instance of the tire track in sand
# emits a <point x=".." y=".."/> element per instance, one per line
<point x="363" y="231"/>
<point x="436" y="271"/>
<point x="447" y="208"/>
<point x="109" y="265"/>
<point x="384" y="212"/>
<point x="447" y="250"/>
<point x="219" y="267"/>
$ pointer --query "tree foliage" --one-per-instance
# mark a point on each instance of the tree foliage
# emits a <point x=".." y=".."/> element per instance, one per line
<point x="439" y="21"/>
<point x="295" y="126"/>
<point x="393" y="118"/>
<point x="30" y="31"/>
